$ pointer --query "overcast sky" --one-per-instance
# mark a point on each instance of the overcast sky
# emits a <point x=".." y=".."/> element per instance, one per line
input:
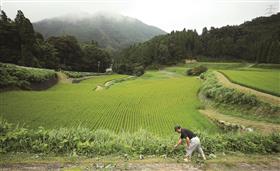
<point x="166" y="14"/>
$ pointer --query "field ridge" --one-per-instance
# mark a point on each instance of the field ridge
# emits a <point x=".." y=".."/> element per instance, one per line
<point x="263" y="127"/>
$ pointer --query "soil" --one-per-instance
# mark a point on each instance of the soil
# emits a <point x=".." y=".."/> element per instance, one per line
<point x="144" y="166"/>
<point x="62" y="78"/>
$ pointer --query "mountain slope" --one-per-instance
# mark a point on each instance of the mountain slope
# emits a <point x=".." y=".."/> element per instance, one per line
<point x="109" y="30"/>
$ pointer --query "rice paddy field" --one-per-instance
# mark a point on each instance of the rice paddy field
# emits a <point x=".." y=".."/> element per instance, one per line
<point x="156" y="102"/>
<point x="265" y="80"/>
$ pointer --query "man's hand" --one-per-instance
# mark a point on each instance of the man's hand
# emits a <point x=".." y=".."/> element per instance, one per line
<point x="187" y="142"/>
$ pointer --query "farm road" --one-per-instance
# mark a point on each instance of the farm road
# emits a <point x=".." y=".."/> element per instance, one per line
<point x="229" y="165"/>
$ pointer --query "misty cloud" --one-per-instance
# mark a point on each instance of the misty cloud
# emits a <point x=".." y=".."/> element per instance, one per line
<point x="166" y="14"/>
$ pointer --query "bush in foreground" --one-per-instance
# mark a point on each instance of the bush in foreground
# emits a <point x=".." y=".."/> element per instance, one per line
<point x="86" y="142"/>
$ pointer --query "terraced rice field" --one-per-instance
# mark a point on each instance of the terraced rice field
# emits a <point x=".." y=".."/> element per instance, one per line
<point x="265" y="80"/>
<point x="156" y="102"/>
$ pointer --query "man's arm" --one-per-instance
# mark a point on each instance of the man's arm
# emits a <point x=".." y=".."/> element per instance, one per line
<point x="179" y="142"/>
<point x="188" y="141"/>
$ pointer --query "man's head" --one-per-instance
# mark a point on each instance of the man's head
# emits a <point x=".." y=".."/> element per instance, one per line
<point x="177" y="128"/>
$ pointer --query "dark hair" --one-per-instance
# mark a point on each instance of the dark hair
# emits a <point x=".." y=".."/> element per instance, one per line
<point x="177" y="127"/>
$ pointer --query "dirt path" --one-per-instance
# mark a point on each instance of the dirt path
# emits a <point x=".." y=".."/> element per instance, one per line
<point x="62" y="78"/>
<point x="262" y="96"/>
<point x="263" y="127"/>
<point x="170" y="74"/>
<point x="110" y="83"/>
<point x="220" y="164"/>
<point x="100" y="166"/>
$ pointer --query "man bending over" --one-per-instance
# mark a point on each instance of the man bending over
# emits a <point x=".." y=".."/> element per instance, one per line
<point x="192" y="142"/>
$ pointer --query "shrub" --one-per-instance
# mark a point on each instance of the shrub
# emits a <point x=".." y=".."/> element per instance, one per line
<point x="138" y="71"/>
<point x="75" y="74"/>
<point x="86" y="142"/>
<point x="21" y="77"/>
<point x="195" y="71"/>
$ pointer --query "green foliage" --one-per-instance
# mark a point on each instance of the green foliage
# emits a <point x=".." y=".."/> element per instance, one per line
<point x="5" y="127"/>
<point x="130" y="69"/>
<point x="20" y="44"/>
<point x="10" y="45"/>
<point x="86" y="142"/>
<point x="22" y="77"/>
<point x="29" y="46"/>
<point x="161" y="50"/>
<point x="195" y="71"/>
<point x="213" y="90"/>
<point x="76" y="74"/>
<point x="95" y="59"/>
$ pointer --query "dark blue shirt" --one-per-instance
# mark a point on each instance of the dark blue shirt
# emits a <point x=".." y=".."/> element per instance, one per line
<point x="187" y="133"/>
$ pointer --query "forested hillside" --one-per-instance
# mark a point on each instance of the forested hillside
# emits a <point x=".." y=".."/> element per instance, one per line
<point x="20" y="44"/>
<point x="254" y="41"/>
<point x="111" y="31"/>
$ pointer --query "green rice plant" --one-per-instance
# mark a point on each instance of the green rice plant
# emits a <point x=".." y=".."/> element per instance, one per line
<point x="156" y="103"/>
<point x="264" y="80"/>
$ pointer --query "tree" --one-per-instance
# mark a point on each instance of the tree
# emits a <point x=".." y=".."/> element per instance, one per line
<point x="69" y="52"/>
<point x="95" y="59"/>
<point x="28" y="44"/>
<point x="10" y="50"/>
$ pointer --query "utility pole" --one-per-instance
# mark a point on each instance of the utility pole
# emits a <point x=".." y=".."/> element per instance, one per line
<point x="270" y="10"/>
<point x="98" y="65"/>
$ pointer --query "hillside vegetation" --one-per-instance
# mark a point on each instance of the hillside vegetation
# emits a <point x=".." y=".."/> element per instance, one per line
<point x="254" y="41"/>
<point x="20" y="44"/>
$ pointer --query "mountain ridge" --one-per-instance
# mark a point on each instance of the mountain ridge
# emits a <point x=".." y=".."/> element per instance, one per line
<point x="111" y="31"/>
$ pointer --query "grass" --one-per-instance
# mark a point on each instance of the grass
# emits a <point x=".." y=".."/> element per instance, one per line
<point x="182" y="68"/>
<point x="217" y="65"/>
<point x="263" y="80"/>
<point x="176" y="69"/>
<point x="156" y="101"/>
